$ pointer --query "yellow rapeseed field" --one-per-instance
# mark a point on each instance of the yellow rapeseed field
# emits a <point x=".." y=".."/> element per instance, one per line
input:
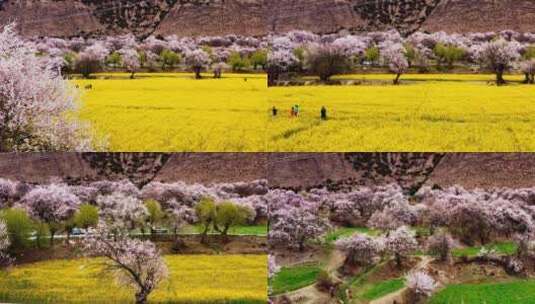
<point x="193" y="279"/>
<point x="453" y="113"/>
<point x="174" y="112"/>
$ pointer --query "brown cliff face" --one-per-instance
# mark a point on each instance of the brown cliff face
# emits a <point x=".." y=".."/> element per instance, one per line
<point x="287" y="170"/>
<point x="259" y="17"/>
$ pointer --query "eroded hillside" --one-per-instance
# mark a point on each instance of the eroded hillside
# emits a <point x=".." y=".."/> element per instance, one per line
<point x="258" y="17"/>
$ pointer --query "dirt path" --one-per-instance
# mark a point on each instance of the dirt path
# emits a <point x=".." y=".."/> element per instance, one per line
<point x="397" y="296"/>
<point x="309" y="294"/>
<point x="336" y="260"/>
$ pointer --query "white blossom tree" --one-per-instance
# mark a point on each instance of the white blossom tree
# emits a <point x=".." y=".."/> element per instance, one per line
<point x="4" y="245"/>
<point x="130" y="61"/>
<point x="498" y="56"/>
<point x="35" y="102"/>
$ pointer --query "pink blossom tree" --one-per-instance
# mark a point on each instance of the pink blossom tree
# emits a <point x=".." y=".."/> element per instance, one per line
<point x="360" y="249"/>
<point x="346" y="212"/>
<point x="528" y="68"/>
<point x="273" y="268"/>
<point x="393" y="216"/>
<point x="135" y="263"/>
<point x="440" y="244"/>
<point x="400" y="243"/>
<point x="7" y="191"/>
<point x="35" y="102"/>
<point x="394" y="56"/>
<point x="121" y="212"/>
<point x="420" y="286"/>
<point x="53" y="205"/>
<point x="91" y="59"/>
<point x="178" y="215"/>
<point x="198" y="60"/>
<point x="294" y="226"/>
<point x="279" y="62"/>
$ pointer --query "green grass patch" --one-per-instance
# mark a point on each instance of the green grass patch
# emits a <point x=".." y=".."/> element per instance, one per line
<point x="503" y="248"/>
<point x="294" y="277"/>
<point x="260" y="230"/>
<point x="341" y="232"/>
<point x="382" y="288"/>
<point x="519" y="292"/>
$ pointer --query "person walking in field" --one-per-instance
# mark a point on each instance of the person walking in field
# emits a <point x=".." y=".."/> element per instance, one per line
<point x="323" y="113"/>
<point x="296" y="110"/>
<point x="274" y="111"/>
<point x="292" y="112"/>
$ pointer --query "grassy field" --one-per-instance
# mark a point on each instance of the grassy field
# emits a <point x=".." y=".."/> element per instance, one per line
<point x="342" y="232"/>
<point x="502" y="248"/>
<point x="520" y="292"/>
<point x="425" y="113"/>
<point x="381" y="289"/>
<point x="174" y="112"/>
<point x="258" y="230"/>
<point x="193" y="279"/>
<point x="295" y="277"/>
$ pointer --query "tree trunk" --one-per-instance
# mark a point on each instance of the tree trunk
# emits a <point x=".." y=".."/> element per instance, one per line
<point x="398" y="260"/>
<point x="527" y="78"/>
<point x="132" y="75"/>
<point x="141" y="297"/>
<point x="204" y="233"/>
<point x="225" y="233"/>
<point x="273" y="76"/>
<point x="52" y="233"/>
<point x="499" y="78"/>
<point x="396" y="80"/>
<point x="198" y="73"/>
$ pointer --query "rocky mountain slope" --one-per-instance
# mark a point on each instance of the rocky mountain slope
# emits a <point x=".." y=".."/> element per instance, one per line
<point x="259" y="17"/>
<point x="286" y="170"/>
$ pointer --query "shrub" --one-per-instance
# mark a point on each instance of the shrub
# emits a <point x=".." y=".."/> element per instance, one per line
<point x="169" y="59"/>
<point x="155" y="213"/>
<point x="259" y="58"/>
<point x="206" y="212"/>
<point x="228" y="215"/>
<point x="238" y="62"/>
<point x="86" y="216"/>
<point x="372" y="55"/>
<point x="448" y="54"/>
<point x="19" y="226"/>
